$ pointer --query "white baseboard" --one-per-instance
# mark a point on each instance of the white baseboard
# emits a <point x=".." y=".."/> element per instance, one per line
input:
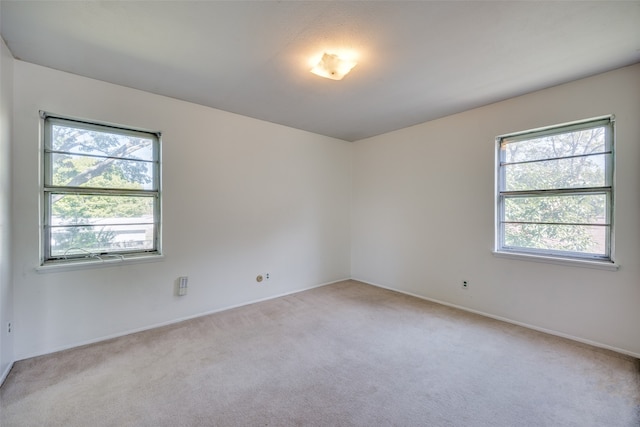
<point x="507" y="320"/>
<point x="459" y="307"/>
<point x="5" y="373"/>
<point x="171" y="322"/>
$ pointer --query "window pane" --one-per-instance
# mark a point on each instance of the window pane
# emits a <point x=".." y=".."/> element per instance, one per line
<point x="78" y="209"/>
<point x="581" y="209"/>
<point x="99" y="224"/>
<point x="101" y="190"/>
<point x="575" y="238"/>
<point x="99" y="239"/>
<point x="97" y="172"/>
<point x="82" y="141"/>
<point x="577" y="172"/>
<point x="555" y="188"/>
<point x="588" y="141"/>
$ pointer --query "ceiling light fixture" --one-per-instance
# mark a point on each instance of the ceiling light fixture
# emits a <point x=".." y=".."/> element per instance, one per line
<point x="333" y="67"/>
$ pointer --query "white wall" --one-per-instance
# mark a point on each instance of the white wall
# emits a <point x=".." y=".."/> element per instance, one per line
<point x="244" y="197"/>
<point x="6" y="288"/>
<point x="241" y="197"/>
<point x="423" y="212"/>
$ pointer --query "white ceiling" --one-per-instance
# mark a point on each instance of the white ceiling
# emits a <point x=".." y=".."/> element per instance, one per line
<point x="417" y="60"/>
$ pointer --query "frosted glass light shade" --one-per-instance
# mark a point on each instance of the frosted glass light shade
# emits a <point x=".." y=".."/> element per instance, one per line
<point x="333" y="67"/>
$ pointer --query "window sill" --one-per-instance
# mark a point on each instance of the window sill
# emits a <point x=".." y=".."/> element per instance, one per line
<point x="600" y="265"/>
<point x="53" y="267"/>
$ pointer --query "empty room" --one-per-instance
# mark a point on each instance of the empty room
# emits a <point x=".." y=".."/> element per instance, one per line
<point x="319" y="213"/>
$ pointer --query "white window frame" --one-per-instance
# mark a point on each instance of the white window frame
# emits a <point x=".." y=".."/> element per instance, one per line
<point x="605" y="261"/>
<point x="47" y="188"/>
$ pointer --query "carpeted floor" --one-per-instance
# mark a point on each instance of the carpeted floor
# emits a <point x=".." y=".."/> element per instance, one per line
<point x="346" y="354"/>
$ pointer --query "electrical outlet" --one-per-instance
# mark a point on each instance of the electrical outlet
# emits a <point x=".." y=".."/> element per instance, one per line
<point x="9" y="327"/>
<point x="465" y="284"/>
<point x="267" y="276"/>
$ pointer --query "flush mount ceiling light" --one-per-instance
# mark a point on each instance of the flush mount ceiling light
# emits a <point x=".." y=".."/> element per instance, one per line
<point x="333" y="67"/>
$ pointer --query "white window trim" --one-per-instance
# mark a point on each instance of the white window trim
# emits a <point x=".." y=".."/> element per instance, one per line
<point x="556" y="257"/>
<point x="571" y="262"/>
<point x="88" y="263"/>
<point x="51" y="265"/>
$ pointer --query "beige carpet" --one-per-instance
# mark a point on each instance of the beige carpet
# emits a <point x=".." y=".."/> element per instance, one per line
<point x="347" y="354"/>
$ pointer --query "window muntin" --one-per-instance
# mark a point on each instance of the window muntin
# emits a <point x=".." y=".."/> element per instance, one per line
<point x="555" y="191"/>
<point x="101" y="191"/>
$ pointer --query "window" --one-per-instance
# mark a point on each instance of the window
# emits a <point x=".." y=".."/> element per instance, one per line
<point x="101" y="191"/>
<point x="555" y="191"/>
